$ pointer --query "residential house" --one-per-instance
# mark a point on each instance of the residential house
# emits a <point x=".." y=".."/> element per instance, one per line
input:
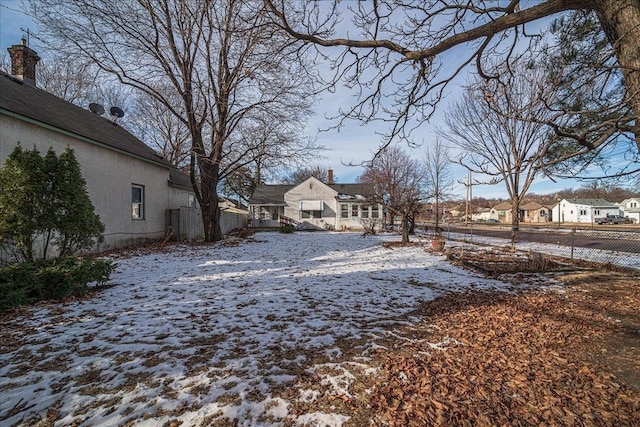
<point x="481" y="214"/>
<point x="533" y="212"/>
<point x="631" y="209"/>
<point x="456" y="212"/>
<point x="501" y="212"/>
<point x="315" y="205"/>
<point x="583" y="210"/>
<point x="130" y="185"/>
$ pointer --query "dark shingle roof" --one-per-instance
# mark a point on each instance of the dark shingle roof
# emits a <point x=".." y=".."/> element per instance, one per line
<point x="268" y="194"/>
<point x="41" y="106"/>
<point x="353" y="189"/>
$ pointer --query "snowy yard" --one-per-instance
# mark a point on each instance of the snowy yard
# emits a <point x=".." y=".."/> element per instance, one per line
<point x="201" y="334"/>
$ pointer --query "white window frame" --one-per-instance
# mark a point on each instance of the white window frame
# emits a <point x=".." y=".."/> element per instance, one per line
<point x="137" y="206"/>
<point x="344" y="210"/>
<point x="375" y="211"/>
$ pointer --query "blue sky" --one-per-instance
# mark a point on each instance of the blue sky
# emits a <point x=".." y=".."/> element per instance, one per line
<point x="353" y="143"/>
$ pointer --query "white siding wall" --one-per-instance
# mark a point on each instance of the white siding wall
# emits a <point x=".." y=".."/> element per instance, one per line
<point x="109" y="175"/>
<point x="312" y="189"/>
<point x="571" y="212"/>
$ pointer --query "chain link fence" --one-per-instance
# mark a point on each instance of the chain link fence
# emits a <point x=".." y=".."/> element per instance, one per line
<point x="617" y="247"/>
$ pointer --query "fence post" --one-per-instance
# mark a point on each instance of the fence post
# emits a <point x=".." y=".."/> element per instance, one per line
<point x="573" y="240"/>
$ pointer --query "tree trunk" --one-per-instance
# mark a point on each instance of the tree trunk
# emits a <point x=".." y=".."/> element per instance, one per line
<point x="437" y="215"/>
<point x="405" y="229"/>
<point x="209" y="202"/>
<point x="515" y="220"/>
<point x="621" y="22"/>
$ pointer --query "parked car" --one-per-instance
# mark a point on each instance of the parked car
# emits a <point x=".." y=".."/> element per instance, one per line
<point x="613" y="219"/>
<point x="493" y="221"/>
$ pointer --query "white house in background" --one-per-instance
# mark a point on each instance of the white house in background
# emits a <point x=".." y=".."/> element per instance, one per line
<point x="130" y="185"/>
<point x="583" y="210"/>
<point x="315" y="205"/>
<point x="631" y="209"/>
<point x="482" y="214"/>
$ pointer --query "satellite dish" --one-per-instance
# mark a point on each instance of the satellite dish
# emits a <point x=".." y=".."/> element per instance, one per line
<point x="96" y="108"/>
<point x="117" y="112"/>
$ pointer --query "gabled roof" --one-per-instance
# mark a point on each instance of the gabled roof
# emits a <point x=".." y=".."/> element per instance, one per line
<point x="503" y="206"/>
<point x="29" y="103"/>
<point x="625" y="201"/>
<point x="273" y="194"/>
<point x="531" y="206"/>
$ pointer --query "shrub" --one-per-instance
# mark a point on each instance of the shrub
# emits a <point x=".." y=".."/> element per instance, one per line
<point x="287" y="229"/>
<point x="29" y="282"/>
<point x="44" y="200"/>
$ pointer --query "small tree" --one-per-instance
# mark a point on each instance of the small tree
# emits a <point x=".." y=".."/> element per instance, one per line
<point x="439" y="178"/>
<point x="45" y="199"/>
<point x="398" y="183"/>
<point x="78" y="226"/>
<point x="21" y="190"/>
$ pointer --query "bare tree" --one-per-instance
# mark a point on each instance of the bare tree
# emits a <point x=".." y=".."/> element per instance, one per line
<point x="222" y="60"/>
<point x="393" y="53"/>
<point x="439" y="177"/>
<point x="398" y="184"/>
<point x="162" y="130"/>
<point x="300" y="175"/>
<point x="73" y="82"/>
<point x="500" y="132"/>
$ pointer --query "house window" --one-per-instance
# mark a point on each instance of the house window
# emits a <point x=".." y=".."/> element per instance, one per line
<point x="596" y="212"/>
<point x="583" y="211"/>
<point x="310" y="214"/>
<point x="354" y="211"/>
<point x="365" y="212"/>
<point x="137" y="201"/>
<point x="633" y="205"/>
<point x="344" y="210"/>
<point x="375" y="213"/>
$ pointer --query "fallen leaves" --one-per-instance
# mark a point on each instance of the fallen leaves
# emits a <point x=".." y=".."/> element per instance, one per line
<point x="523" y="362"/>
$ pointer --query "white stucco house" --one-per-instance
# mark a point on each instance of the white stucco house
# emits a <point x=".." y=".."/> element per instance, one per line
<point x="631" y="209"/>
<point x="130" y="185"/>
<point x="583" y="210"/>
<point x="315" y="205"/>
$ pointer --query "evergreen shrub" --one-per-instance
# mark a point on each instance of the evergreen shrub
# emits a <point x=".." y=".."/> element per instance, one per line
<point x="50" y="279"/>
<point x="287" y="229"/>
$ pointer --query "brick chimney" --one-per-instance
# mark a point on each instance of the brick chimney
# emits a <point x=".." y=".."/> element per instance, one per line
<point x="23" y="62"/>
<point x="330" y="173"/>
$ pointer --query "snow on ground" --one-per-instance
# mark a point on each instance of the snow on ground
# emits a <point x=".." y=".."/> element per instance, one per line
<point x="203" y="332"/>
